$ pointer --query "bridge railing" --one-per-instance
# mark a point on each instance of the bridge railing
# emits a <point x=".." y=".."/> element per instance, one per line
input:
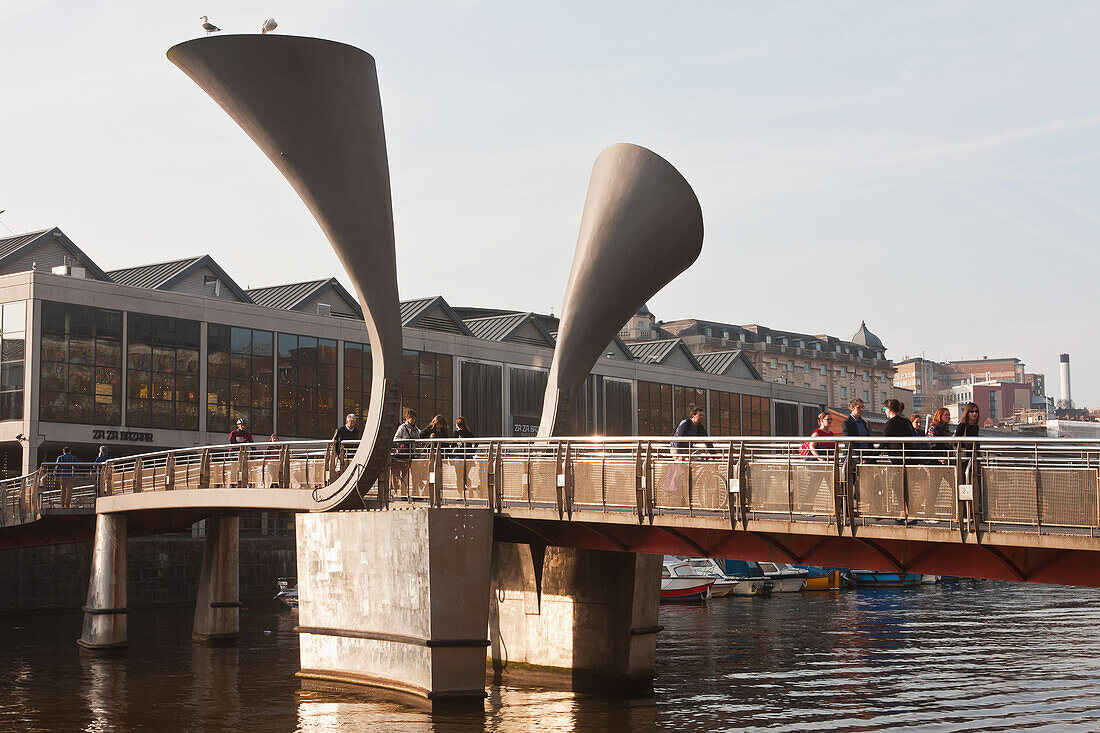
<point x="305" y="465"/>
<point x="51" y="486"/>
<point x="1045" y="485"/>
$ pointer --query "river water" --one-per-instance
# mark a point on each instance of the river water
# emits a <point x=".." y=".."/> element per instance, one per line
<point x="963" y="655"/>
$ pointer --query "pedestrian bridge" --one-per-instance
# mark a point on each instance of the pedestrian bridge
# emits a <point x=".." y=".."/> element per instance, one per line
<point x="1013" y="509"/>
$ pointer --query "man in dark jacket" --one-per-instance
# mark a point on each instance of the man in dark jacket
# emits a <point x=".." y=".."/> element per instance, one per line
<point x="854" y="424"/>
<point x="691" y="426"/>
<point x="348" y="431"/>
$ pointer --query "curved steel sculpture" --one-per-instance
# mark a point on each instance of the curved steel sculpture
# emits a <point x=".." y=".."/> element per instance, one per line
<point x="642" y="226"/>
<point x="313" y="107"/>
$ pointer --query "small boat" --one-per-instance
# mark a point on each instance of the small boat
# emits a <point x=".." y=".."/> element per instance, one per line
<point x="682" y="583"/>
<point x="820" y="578"/>
<point x="930" y="579"/>
<point x="787" y="578"/>
<point x="288" y="592"/>
<point x="751" y="580"/>
<point x="724" y="585"/>
<point x="876" y="579"/>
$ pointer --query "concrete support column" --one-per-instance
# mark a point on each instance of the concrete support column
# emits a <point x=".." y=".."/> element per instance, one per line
<point x="588" y="612"/>
<point x="105" y="611"/>
<point x="396" y="599"/>
<point x="218" y="606"/>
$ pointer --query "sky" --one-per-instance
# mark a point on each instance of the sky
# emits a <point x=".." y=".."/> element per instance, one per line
<point x="930" y="168"/>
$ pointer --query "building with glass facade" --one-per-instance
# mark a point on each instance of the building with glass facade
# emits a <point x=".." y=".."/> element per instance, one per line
<point x="172" y="354"/>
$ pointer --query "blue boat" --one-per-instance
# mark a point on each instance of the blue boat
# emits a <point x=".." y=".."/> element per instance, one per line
<point x="876" y="579"/>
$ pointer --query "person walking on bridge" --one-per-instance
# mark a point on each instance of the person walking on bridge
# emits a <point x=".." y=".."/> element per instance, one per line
<point x="348" y="431"/>
<point x="694" y="426"/>
<point x="241" y="434"/>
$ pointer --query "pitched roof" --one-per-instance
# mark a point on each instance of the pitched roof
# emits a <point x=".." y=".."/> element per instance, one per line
<point x="656" y="352"/>
<point x="11" y="247"/>
<point x="717" y="362"/>
<point x="163" y="275"/>
<point x="506" y="328"/>
<point x="295" y="295"/>
<point x="432" y="314"/>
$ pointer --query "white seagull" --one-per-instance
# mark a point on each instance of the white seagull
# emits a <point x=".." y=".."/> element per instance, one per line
<point x="268" y="26"/>
<point x="208" y="26"/>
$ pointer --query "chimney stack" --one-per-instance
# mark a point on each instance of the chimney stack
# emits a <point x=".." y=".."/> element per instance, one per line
<point x="1063" y="367"/>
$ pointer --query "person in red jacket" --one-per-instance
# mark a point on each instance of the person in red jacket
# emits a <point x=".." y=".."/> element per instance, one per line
<point x="241" y="434"/>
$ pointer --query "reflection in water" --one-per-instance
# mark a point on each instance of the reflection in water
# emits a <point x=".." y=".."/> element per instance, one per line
<point x="966" y="654"/>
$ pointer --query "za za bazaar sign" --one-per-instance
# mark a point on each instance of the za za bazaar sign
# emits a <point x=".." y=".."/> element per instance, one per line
<point x="131" y="436"/>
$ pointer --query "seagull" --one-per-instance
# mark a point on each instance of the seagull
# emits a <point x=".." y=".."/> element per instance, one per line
<point x="268" y="26"/>
<point x="208" y="26"/>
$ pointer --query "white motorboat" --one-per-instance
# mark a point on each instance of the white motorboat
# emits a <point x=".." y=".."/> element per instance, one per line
<point x="930" y="579"/>
<point x="288" y="592"/>
<point x="680" y="582"/>
<point x="725" y="584"/>
<point x="787" y="578"/>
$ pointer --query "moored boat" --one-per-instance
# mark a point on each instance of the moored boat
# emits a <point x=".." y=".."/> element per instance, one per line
<point x="874" y="578"/>
<point x="786" y="578"/>
<point x="751" y="580"/>
<point x="724" y="584"/>
<point x="288" y="592"/>
<point x="682" y="583"/>
<point x="820" y="578"/>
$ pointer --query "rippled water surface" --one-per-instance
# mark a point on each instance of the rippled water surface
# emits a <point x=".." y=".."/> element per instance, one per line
<point x="964" y="655"/>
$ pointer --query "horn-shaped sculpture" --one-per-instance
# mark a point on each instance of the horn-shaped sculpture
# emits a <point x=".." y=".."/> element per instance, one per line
<point x="312" y="106"/>
<point x="642" y="226"/>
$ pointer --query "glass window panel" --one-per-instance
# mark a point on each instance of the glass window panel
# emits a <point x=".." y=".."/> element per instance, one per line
<point x="261" y="365"/>
<point x="163" y="386"/>
<point x="307" y="374"/>
<point x="217" y="338"/>
<point x="288" y="344"/>
<point x="288" y="398"/>
<point x="240" y="366"/>
<point x="11" y="405"/>
<point x="217" y="418"/>
<point x="261" y="394"/>
<point x="139" y="328"/>
<point x="187" y="387"/>
<point x="162" y="416"/>
<point x="55" y="377"/>
<point x="15" y="316"/>
<point x="307" y="348"/>
<point x="108" y="352"/>
<point x="241" y="340"/>
<point x="287" y="374"/>
<point x="353" y="355"/>
<point x="11" y="376"/>
<point x="326" y="375"/>
<point x="53" y="318"/>
<point x="53" y="406"/>
<point x="54" y="347"/>
<point x="108" y="412"/>
<point x="187" y="361"/>
<point x="81" y="350"/>
<point x="262" y="343"/>
<point x="80" y="379"/>
<point x="240" y="392"/>
<point x="82" y="321"/>
<point x="307" y="424"/>
<point x="307" y="397"/>
<point x="187" y="417"/>
<point x="326" y="351"/>
<point x="164" y="360"/>
<point x="261" y="422"/>
<point x="218" y="366"/>
<point x="80" y="408"/>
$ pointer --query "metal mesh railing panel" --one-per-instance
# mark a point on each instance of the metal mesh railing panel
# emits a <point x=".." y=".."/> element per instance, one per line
<point x="814" y="489"/>
<point x="1008" y="495"/>
<point x="768" y="489"/>
<point x="620" y="483"/>
<point x="1068" y="497"/>
<point x="670" y="484"/>
<point x="931" y="492"/>
<point x="588" y="481"/>
<point x="514" y="478"/>
<point x="544" y="480"/>
<point x="709" y="487"/>
<point x="881" y="492"/>
<point x="419" y="469"/>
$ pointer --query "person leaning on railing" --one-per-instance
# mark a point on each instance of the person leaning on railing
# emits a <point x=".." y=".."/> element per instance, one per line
<point x="939" y="427"/>
<point x="968" y="426"/>
<point x="406" y="431"/>
<point x="462" y="430"/>
<point x="821" y="450"/>
<point x="856" y="426"/>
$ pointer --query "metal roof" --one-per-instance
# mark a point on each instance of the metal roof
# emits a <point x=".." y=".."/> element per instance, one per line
<point x="163" y="275"/>
<point x="717" y="362"/>
<point x="19" y="243"/>
<point x="655" y="352"/>
<point x="295" y="295"/>
<point x="504" y="328"/>
<point x="417" y="314"/>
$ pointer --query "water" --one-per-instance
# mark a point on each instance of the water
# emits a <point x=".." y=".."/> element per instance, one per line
<point x="964" y="655"/>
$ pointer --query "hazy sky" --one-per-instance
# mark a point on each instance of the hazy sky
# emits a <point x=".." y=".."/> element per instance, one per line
<point x="933" y="168"/>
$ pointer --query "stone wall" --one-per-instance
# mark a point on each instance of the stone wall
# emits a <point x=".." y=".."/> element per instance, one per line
<point x="160" y="569"/>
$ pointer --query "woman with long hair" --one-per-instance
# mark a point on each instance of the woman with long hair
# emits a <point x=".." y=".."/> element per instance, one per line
<point x="896" y="427"/>
<point x="437" y="428"/>
<point x="969" y="421"/>
<point x="462" y="430"/>
<point x="822" y="450"/>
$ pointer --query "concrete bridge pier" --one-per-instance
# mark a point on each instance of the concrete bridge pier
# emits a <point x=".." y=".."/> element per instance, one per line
<point x="105" y="610"/>
<point x="218" y="605"/>
<point x="397" y="599"/>
<point x="590" y="613"/>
